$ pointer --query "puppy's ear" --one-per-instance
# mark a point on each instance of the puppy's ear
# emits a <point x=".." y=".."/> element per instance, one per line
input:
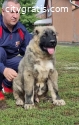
<point x="36" y="32"/>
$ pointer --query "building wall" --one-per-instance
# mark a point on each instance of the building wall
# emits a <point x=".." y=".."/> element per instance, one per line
<point x="66" y="23"/>
<point x="63" y="21"/>
<point x="75" y="14"/>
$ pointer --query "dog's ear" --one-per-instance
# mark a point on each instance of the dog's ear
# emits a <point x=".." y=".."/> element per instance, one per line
<point x="36" y="32"/>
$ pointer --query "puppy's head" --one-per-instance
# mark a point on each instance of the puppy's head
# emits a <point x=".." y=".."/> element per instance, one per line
<point x="47" y="38"/>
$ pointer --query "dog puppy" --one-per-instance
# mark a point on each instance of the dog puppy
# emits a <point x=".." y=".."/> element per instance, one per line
<point x="37" y="72"/>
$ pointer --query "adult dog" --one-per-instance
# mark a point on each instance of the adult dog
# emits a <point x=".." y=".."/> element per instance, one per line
<point x="36" y="71"/>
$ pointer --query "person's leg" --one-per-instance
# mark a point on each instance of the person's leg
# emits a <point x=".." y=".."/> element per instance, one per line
<point x="12" y="63"/>
<point x="1" y="79"/>
<point x="3" y="57"/>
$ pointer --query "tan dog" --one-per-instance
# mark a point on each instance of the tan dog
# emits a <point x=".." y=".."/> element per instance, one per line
<point x="36" y="71"/>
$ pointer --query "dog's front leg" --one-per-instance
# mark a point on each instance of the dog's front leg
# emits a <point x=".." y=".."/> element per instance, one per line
<point x="29" y="91"/>
<point x="53" y="88"/>
<point x="29" y="100"/>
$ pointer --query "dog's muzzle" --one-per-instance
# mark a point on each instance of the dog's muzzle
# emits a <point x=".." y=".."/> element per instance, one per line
<point x="51" y="48"/>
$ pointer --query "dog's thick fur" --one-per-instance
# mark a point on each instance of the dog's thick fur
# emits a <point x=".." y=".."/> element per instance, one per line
<point x="36" y="71"/>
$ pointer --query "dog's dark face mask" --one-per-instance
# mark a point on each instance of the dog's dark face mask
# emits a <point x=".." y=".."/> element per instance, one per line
<point x="48" y="41"/>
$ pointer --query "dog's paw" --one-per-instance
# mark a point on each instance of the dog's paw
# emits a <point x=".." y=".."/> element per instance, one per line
<point x="59" y="102"/>
<point x="29" y="106"/>
<point x="36" y="100"/>
<point x="19" y="102"/>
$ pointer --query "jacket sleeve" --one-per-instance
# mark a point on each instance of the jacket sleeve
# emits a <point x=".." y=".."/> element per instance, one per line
<point x="2" y="67"/>
<point x="25" y="42"/>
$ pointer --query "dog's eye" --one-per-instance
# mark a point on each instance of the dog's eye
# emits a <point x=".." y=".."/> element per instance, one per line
<point x="46" y="34"/>
<point x="54" y="34"/>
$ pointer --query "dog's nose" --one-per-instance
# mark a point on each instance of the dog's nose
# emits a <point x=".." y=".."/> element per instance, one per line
<point x="52" y="41"/>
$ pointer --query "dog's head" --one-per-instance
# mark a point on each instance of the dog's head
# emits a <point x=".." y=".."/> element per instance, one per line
<point x="47" y="38"/>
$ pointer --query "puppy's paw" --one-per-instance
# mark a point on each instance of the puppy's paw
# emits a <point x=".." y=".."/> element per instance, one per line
<point x="36" y="99"/>
<point x="29" y="106"/>
<point x="19" y="102"/>
<point x="59" y="102"/>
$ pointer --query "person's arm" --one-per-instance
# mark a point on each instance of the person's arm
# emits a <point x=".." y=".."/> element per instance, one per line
<point x="8" y="73"/>
<point x="2" y="67"/>
<point x="27" y="38"/>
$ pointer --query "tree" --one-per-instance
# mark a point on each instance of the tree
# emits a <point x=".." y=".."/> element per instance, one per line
<point x="28" y="18"/>
<point x="1" y="1"/>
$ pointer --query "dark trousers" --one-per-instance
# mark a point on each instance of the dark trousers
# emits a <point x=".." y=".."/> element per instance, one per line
<point x="10" y="63"/>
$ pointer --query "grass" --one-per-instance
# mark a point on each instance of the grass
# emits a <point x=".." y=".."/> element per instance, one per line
<point x="45" y="113"/>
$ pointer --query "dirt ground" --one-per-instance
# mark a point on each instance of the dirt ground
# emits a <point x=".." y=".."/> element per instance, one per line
<point x="3" y="105"/>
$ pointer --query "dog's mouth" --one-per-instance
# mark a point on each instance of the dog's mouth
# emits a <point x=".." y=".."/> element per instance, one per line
<point x="49" y="50"/>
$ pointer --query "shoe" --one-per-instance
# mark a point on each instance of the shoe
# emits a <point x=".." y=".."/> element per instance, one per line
<point x="2" y="97"/>
<point x="6" y="89"/>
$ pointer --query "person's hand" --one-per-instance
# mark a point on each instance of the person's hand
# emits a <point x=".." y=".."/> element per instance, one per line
<point x="9" y="74"/>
